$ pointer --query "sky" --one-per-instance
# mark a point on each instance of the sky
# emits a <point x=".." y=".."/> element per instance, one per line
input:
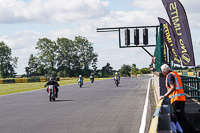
<point x="23" y="22"/>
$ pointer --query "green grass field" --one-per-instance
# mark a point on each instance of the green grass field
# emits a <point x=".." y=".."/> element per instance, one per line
<point x="22" y="87"/>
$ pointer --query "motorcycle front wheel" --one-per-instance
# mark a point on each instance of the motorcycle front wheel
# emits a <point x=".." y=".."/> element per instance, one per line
<point x="117" y="83"/>
<point x="50" y="96"/>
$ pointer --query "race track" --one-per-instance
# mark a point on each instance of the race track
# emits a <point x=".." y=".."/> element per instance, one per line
<point x="100" y="107"/>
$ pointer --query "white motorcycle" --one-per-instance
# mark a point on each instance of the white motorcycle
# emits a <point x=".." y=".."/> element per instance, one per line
<point x="52" y="93"/>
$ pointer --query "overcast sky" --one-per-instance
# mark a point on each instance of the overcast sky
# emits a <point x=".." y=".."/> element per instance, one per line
<point x="23" y="22"/>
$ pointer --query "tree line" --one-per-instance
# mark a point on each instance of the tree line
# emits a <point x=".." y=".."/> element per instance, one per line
<point x="63" y="58"/>
<point x="133" y="70"/>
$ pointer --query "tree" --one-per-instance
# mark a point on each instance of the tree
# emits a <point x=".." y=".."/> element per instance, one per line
<point x="7" y="62"/>
<point x="27" y="70"/>
<point x="67" y="56"/>
<point x="134" y="70"/>
<point x="85" y="52"/>
<point x="106" y="70"/>
<point x="144" y="71"/>
<point x="47" y="53"/>
<point x="94" y="65"/>
<point x="125" y="70"/>
<point x="33" y="65"/>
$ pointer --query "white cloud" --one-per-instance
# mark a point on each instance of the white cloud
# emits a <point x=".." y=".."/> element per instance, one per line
<point x="45" y="11"/>
<point x="20" y="40"/>
<point x="156" y="9"/>
<point x="87" y="15"/>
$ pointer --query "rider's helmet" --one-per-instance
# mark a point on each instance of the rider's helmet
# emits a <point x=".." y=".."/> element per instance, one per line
<point x="116" y="73"/>
<point x="80" y="76"/>
<point x="51" y="79"/>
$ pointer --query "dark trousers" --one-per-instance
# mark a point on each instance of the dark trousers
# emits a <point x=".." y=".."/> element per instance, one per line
<point x="179" y="111"/>
<point x="56" y="91"/>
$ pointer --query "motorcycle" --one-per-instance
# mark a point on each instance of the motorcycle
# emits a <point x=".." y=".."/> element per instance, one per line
<point x="116" y="80"/>
<point x="80" y="82"/>
<point x="92" y="79"/>
<point x="52" y="93"/>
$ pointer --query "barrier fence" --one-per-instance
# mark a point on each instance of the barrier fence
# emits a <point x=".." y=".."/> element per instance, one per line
<point x="191" y="86"/>
<point x="161" y="120"/>
<point x="22" y="80"/>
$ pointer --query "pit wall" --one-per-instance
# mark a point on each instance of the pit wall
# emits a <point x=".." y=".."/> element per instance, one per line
<point x="158" y="83"/>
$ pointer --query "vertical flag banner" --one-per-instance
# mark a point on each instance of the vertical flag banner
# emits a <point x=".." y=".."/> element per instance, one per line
<point x="179" y="22"/>
<point x="165" y="53"/>
<point x="170" y="41"/>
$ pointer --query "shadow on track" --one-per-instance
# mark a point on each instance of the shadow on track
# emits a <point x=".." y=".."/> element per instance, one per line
<point x="64" y="100"/>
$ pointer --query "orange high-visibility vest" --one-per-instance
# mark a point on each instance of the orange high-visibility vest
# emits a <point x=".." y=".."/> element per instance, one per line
<point x="178" y="93"/>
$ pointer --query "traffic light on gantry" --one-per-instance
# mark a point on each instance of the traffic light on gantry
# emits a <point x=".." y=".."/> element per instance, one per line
<point x="136" y="37"/>
<point x="145" y="36"/>
<point x="127" y="37"/>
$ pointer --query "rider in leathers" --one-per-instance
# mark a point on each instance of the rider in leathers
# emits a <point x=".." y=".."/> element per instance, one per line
<point x="92" y="76"/>
<point x="81" y="78"/>
<point x="117" y="75"/>
<point x="52" y="82"/>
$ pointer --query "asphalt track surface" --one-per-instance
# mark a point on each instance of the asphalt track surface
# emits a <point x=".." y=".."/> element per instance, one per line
<point x="100" y="107"/>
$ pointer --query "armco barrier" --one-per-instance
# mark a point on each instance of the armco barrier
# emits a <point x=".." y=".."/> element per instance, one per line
<point x="179" y="73"/>
<point x="36" y="79"/>
<point x="22" y="80"/>
<point x="154" y="122"/>
<point x="30" y="80"/>
<point x="7" y="81"/>
<point x="161" y="120"/>
<point x="44" y="79"/>
<point x="190" y="73"/>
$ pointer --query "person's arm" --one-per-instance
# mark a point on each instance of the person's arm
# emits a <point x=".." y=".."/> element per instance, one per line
<point x="46" y="84"/>
<point x="170" y="91"/>
<point x="171" y="81"/>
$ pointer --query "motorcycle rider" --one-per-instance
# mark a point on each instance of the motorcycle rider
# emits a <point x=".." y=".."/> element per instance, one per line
<point x="53" y="82"/>
<point x="92" y="76"/>
<point x="117" y="76"/>
<point x="80" y="78"/>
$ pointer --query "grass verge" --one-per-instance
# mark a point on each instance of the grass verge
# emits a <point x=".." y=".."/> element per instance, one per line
<point x="22" y="87"/>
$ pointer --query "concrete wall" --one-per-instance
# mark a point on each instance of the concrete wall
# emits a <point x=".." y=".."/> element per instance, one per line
<point x="159" y="85"/>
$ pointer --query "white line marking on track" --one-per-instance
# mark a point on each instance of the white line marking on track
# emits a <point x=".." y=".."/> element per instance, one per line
<point x="144" y="115"/>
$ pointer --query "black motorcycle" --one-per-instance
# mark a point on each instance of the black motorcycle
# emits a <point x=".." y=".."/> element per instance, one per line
<point x="116" y="79"/>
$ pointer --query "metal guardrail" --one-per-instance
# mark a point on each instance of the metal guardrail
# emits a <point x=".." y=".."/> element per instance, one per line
<point x="191" y="86"/>
<point x="161" y="120"/>
<point x="22" y="80"/>
<point x="154" y="121"/>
